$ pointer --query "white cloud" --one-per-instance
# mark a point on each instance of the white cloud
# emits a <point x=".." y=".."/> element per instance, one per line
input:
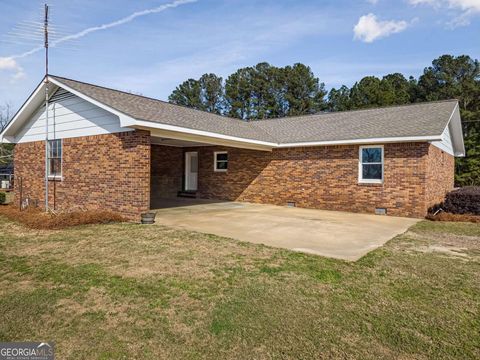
<point x="465" y="4"/>
<point x="10" y="64"/>
<point x="373" y="2"/>
<point x="467" y="8"/>
<point x="369" y="28"/>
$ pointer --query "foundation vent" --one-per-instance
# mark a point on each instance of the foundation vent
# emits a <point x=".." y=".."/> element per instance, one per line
<point x="291" y="204"/>
<point x="380" y="211"/>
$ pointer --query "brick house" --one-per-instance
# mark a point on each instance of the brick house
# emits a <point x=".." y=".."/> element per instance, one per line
<point x="124" y="152"/>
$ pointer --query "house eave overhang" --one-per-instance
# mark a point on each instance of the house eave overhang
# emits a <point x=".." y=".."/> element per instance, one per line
<point x="182" y="133"/>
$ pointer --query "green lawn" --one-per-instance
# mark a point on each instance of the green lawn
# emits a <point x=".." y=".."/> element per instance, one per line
<point x="149" y="292"/>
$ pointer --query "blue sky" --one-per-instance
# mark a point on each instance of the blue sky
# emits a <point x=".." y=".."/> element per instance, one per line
<point x="150" y="54"/>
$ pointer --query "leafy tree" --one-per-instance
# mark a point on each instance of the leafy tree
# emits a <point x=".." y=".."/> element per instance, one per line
<point x="238" y="91"/>
<point x="392" y="89"/>
<point x="458" y="77"/>
<point x="304" y="93"/>
<point x="266" y="91"/>
<point x="451" y="77"/>
<point x="367" y="93"/>
<point x="257" y="92"/>
<point x="204" y="94"/>
<point x="397" y="89"/>
<point x="187" y="94"/>
<point x="339" y="100"/>
<point x="468" y="168"/>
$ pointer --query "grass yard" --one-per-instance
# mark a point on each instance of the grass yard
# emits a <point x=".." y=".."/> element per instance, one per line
<point x="128" y="291"/>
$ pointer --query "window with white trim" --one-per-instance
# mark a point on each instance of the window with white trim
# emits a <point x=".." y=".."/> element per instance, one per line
<point x="370" y="166"/>
<point x="54" y="158"/>
<point x="220" y="161"/>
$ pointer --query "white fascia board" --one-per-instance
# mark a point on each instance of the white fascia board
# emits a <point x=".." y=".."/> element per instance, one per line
<point x="153" y="125"/>
<point x="363" y="141"/>
<point x="125" y="120"/>
<point x="456" y="133"/>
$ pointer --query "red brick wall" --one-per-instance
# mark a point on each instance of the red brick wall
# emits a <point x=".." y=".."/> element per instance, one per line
<point x="317" y="177"/>
<point x="327" y="178"/>
<point x="103" y="171"/>
<point x="167" y="172"/>
<point x="440" y="175"/>
<point x="116" y="171"/>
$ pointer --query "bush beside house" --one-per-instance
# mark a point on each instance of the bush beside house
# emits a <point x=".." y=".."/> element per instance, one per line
<point x="460" y="205"/>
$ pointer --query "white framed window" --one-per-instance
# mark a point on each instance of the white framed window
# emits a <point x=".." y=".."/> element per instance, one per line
<point x="220" y="161"/>
<point x="370" y="164"/>
<point x="54" y="157"/>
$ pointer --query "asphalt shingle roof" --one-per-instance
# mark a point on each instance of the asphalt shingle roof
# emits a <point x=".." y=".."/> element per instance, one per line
<point x="148" y="109"/>
<point x="422" y="119"/>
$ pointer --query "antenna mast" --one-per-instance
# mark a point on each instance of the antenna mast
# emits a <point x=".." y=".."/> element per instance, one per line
<point x="45" y="28"/>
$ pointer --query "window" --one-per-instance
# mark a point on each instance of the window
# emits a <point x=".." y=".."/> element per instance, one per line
<point x="55" y="158"/>
<point x="371" y="164"/>
<point x="220" y="161"/>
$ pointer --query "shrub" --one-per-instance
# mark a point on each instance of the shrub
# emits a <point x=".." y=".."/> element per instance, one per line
<point x="38" y="219"/>
<point x="3" y="197"/>
<point x="463" y="201"/>
<point x="460" y="205"/>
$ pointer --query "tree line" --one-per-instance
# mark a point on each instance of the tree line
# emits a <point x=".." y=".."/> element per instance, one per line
<point x="266" y="91"/>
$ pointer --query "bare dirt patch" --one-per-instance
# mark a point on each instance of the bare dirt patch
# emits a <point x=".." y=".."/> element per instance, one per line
<point x="462" y="246"/>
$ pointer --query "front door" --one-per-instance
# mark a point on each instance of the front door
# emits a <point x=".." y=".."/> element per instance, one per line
<point x="191" y="171"/>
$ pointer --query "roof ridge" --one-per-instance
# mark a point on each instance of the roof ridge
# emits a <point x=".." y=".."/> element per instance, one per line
<point x="358" y="110"/>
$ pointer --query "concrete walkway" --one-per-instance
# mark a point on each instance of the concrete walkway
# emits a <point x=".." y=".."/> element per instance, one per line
<point x="334" y="234"/>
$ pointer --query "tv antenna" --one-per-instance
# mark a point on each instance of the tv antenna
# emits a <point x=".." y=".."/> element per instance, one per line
<point x="33" y="33"/>
<point x="45" y="32"/>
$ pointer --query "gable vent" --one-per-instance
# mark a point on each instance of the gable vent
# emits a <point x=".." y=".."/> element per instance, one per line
<point x="61" y="94"/>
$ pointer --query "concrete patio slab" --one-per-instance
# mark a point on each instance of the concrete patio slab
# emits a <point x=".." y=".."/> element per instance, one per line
<point x="335" y="234"/>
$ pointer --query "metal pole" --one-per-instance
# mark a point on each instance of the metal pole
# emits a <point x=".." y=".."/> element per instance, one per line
<point x="46" y="106"/>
